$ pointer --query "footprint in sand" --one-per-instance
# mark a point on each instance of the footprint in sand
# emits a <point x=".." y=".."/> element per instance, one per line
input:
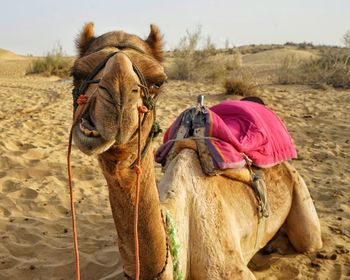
<point x="26" y="236"/>
<point x="38" y="172"/>
<point x="26" y="146"/>
<point x="108" y="256"/>
<point x="28" y="193"/>
<point x="10" y="186"/>
<point x="12" y="146"/>
<point x="7" y="262"/>
<point x="5" y="163"/>
<point x="34" y="154"/>
<point x="5" y="212"/>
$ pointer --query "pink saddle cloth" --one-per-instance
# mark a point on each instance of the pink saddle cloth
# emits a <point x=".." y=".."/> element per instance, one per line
<point x="234" y="128"/>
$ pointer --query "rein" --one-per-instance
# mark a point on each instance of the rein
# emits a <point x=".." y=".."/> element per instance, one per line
<point x="71" y="200"/>
<point x="80" y="100"/>
<point x="141" y="110"/>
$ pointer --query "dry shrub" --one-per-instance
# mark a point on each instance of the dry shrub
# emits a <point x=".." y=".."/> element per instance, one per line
<point x="240" y="80"/>
<point x="194" y="64"/>
<point x="301" y="46"/>
<point x="234" y="86"/>
<point x="185" y="57"/>
<point x="253" y="48"/>
<point x="346" y="39"/>
<point x="332" y="67"/>
<point x="288" y="72"/>
<point x="215" y="69"/>
<point x="54" y="63"/>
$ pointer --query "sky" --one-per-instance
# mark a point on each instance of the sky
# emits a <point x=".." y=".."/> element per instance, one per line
<point x="36" y="26"/>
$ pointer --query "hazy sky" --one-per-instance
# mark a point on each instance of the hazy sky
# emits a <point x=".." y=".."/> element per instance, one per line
<point x="34" y="26"/>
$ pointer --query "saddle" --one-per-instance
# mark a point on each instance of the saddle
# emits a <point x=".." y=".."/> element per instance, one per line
<point x="228" y="137"/>
<point x="229" y="133"/>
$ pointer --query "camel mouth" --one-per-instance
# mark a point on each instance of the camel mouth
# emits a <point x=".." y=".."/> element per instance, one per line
<point x="88" y="139"/>
<point x="88" y="128"/>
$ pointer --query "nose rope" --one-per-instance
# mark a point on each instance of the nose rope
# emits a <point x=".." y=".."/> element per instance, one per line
<point x="82" y="100"/>
<point x="74" y="226"/>
<point x="138" y="170"/>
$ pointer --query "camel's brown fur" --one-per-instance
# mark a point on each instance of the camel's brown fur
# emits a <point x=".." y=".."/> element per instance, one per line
<point x="155" y="41"/>
<point x="85" y="38"/>
<point x="216" y="217"/>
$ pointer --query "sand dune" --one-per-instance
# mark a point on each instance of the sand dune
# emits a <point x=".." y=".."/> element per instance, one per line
<point x="277" y="56"/>
<point x="8" y="55"/>
<point x="35" y="226"/>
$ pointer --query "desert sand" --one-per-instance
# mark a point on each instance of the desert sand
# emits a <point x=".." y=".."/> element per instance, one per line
<point x="35" y="224"/>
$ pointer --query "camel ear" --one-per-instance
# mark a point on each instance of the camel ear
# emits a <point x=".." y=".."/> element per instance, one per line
<point x="85" y="38"/>
<point x="155" y="41"/>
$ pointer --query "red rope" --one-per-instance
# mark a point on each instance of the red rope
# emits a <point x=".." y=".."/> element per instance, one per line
<point x="141" y="110"/>
<point x="75" y="235"/>
<point x="82" y="100"/>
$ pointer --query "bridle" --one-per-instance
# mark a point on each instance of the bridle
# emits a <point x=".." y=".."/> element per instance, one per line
<point x="149" y="102"/>
<point x="147" y="99"/>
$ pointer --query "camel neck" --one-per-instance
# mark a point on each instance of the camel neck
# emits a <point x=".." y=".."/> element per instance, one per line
<point x="121" y="182"/>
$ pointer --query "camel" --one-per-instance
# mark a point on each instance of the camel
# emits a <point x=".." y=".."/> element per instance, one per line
<point x="215" y="217"/>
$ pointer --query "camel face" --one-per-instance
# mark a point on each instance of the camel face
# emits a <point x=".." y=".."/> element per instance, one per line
<point x="110" y="115"/>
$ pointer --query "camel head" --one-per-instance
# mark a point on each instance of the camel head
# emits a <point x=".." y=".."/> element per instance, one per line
<point x="107" y="72"/>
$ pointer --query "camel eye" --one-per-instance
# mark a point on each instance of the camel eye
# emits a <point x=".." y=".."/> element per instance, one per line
<point x="158" y="85"/>
<point x="135" y="90"/>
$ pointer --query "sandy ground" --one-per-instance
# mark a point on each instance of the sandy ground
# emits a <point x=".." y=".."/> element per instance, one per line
<point x="35" y="225"/>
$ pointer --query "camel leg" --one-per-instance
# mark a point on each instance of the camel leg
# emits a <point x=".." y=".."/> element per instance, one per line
<point x="207" y="262"/>
<point x="302" y="224"/>
<point x="210" y="261"/>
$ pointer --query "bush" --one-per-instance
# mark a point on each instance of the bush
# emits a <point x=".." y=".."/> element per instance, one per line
<point x="301" y="46"/>
<point x="253" y="48"/>
<point x="186" y="57"/>
<point x="216" y="69"/>
<point x="234" y="86"/>
<point x="54" y="63"/>
<point x="288" y="72"/>
<point x="332" y="67"/>
<point x="194" y="64"/>
<point x="346" y="39"/>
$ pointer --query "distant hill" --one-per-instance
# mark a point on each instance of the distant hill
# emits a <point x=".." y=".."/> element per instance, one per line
<point x="8" y="55"/>
<point x="276" y="56"/>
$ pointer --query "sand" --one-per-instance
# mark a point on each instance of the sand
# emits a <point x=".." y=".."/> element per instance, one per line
<point x="8" y="55"/>
<point x="35" y="225"/>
